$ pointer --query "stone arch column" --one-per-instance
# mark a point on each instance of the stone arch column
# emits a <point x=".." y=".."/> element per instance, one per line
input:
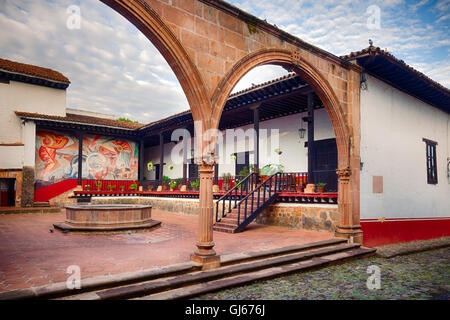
<point x="343" y="119"/>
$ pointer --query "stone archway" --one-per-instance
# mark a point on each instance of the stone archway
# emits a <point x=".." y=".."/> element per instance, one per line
<point x="348" y="147"/>
<point x="210" y="45"/>
<point x="148" y="21"/>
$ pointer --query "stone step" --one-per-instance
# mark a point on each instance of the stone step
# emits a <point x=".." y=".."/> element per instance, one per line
<point x="240" y="279"/>
<point x="157" y="286"/>
<point x="228" y="221"/>
<point x="41" y="204"/>
<point x="224" y="229"/>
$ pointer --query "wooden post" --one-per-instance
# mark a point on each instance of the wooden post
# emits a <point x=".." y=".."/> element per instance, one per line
<point x="256" y="141"/>
<point x="310" y="138"/>
<point x="141" y="161"/>
<point x="161" y="157"/>
<point x="80" y="157"/>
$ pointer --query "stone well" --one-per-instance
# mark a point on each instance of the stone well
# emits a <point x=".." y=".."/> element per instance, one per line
<point x="107" y="217"/>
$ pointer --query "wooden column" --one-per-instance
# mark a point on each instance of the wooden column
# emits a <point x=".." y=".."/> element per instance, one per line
<point x="141" y="161"/>
<point x="216" y="167"/>
<point x="185" y="151"/>
<point x="80" y="157"/>
<point x="256" y="141"/>
<point x="310" y="137"/>
<point x="204" y="253"/>
<point x="161" y="157"/>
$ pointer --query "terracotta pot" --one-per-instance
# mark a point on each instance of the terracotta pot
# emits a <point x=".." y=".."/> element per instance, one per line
<point x="320" y="189"/>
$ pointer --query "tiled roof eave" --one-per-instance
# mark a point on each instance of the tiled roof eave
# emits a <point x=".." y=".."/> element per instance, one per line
<point x="49" y="119"/>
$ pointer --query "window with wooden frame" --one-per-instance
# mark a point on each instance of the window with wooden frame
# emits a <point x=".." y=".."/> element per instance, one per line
<point x="431" y="161"/>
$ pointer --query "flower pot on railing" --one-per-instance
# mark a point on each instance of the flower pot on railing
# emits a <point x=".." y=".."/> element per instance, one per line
<point x="321" y="187"/>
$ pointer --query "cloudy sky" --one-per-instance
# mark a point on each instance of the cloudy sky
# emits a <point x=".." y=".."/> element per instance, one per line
<point x="114" y="69"/>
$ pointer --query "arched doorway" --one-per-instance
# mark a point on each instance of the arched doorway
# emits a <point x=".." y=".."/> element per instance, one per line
<point x="348" y="160"/>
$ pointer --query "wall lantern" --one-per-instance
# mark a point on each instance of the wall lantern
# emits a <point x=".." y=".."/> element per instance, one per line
<point x="301" y="133"/>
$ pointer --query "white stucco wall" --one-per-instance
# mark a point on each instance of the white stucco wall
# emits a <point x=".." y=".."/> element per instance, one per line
<point x="393" y="125"/>
<point x="19" y="96"/>
<point x="294" y="155"/>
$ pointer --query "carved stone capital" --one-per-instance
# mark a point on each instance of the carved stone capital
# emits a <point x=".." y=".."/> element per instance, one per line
<point x="344" y="173"/>
<point x="206" y="159"/>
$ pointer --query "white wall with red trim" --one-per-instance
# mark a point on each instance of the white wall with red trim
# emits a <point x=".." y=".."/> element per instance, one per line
<point x="393" y="125"/>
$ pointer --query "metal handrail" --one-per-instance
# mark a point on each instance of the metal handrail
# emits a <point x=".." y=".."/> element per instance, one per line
<point x="263" y="184"/>
<point x="229" y="195"/>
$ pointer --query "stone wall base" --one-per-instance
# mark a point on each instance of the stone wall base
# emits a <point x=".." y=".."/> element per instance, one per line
<point x="184" y="206"/>
<point x="318" y="217"/>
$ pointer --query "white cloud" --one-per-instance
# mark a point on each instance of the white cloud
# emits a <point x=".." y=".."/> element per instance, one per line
<point x="114" y="68"/>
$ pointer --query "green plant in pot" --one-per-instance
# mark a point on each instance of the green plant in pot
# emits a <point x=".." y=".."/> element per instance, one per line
<point x="172" y="185"/>
<point x="226" y="181"/>
<point x="133" y="186"/>
<point x="195" y="184"/>
<point x="165" y="182"/>
<point x="99" y="185"/>
<point x="321" y="187"/>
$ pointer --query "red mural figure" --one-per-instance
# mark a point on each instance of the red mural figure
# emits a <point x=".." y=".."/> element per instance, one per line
<point x="56" y="154"/>
<point x="109" y="158"/>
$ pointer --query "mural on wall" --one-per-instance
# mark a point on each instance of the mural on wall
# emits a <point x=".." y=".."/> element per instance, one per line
<point x="109" y="158"/>
<point x="56" y="157"/>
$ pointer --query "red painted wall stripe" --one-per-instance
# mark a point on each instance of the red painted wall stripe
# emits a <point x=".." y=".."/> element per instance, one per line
<point x="378" y="233"/>
<point x="48" y="192"/>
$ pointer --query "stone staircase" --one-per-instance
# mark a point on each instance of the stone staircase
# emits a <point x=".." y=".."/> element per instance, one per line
<point x="187" y="280"/>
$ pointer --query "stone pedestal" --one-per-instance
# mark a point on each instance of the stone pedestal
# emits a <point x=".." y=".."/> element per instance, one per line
<point x="310" y="188"/>
<point x="348" y="227"/>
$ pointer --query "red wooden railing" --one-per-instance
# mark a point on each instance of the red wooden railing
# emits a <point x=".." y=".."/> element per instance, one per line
<point x="110" y="185"/>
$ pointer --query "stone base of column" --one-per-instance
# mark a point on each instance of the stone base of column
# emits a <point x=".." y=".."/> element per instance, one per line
<point x="353" y="234"/>
<point x="211" y="262"/>
<point x="206" y="256"/>
<point x="27" y="186"/>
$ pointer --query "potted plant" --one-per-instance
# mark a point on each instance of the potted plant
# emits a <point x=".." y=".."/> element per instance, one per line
<point x="172" y="185"/>
<point x="87" y="187"/>
<point x="244" y="171"/>
<point x="321" y="187"/>
<point x="150" y="188"/>
<point x="122" y="188"/>
<point x="226" y="181"/>
<point x="165" y="182"/>
<point x="133" y="186"/>
<point x="299" y="188"/>
<point x="195" y="184"/>
<point x="110" y="187"/>
<point x="99" y="185"/>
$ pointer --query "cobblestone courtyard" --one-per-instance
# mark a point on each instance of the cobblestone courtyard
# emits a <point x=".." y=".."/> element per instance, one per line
<point x="424" y="275"/>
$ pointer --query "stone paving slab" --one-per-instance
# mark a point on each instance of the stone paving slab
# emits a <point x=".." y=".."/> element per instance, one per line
<point x="392" y="250"/>
<point x="32" y="256"/>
